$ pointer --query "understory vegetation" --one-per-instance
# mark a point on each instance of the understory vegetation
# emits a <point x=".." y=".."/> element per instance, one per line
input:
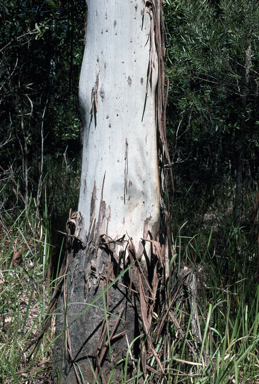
<point x="204" y="327"/>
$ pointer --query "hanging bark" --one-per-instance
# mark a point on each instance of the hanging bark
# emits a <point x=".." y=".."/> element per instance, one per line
<point x="110" y="288"/>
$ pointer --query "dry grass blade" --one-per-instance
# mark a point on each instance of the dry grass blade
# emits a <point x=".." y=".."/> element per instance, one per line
<point x="147" y="324"/>
<point x="177" y="325"/>
<point x="143" y="306"/>
<point x="144" y="359"/>
<point x="150" y="344"/>
<point x="158" y="332"/>
<point x="154" y="294"/>
<point x="112" y="337"/>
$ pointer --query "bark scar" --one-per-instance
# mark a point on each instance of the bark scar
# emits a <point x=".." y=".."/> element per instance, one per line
<point x="94" y="101"/>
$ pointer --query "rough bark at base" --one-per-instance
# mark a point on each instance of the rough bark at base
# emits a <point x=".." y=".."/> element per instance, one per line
<point x="83" y="285"/>
<point x="107" y="300"/>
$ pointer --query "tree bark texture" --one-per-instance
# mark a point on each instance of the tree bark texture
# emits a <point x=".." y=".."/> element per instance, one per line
<point x="117" y="103"/>
<point x="122" y="103"/>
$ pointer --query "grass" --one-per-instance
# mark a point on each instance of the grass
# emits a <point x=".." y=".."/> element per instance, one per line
<point x="206" y="330"/>
<point x="222" y="346"/>
<point x="24" y="295"/>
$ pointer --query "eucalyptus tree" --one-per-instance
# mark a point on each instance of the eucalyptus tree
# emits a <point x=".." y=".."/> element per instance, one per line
<point x="121" y="94"/>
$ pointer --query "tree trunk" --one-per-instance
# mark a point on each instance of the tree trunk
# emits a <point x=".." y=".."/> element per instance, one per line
<point x="122" y="105"/>
<point x="118" y="143"/>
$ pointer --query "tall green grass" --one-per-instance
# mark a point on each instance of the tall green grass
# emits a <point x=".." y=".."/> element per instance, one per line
<point x="221" y="256"/>
<point x="228" y="300"/>
<point x="24" y="295"/>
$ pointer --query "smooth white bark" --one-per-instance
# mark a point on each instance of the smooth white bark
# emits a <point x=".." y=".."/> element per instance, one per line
<point x="117" y="142"/>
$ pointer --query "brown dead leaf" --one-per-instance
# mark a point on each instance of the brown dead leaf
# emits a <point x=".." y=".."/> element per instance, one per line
<point x="17" y="258"/>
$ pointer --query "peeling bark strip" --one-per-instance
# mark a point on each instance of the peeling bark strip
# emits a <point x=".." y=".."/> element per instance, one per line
<point x="157" y="49"/>
<point x="159" y="37"/>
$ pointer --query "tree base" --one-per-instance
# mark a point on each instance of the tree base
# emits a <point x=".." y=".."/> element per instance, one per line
<point x="101" y="321"/>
